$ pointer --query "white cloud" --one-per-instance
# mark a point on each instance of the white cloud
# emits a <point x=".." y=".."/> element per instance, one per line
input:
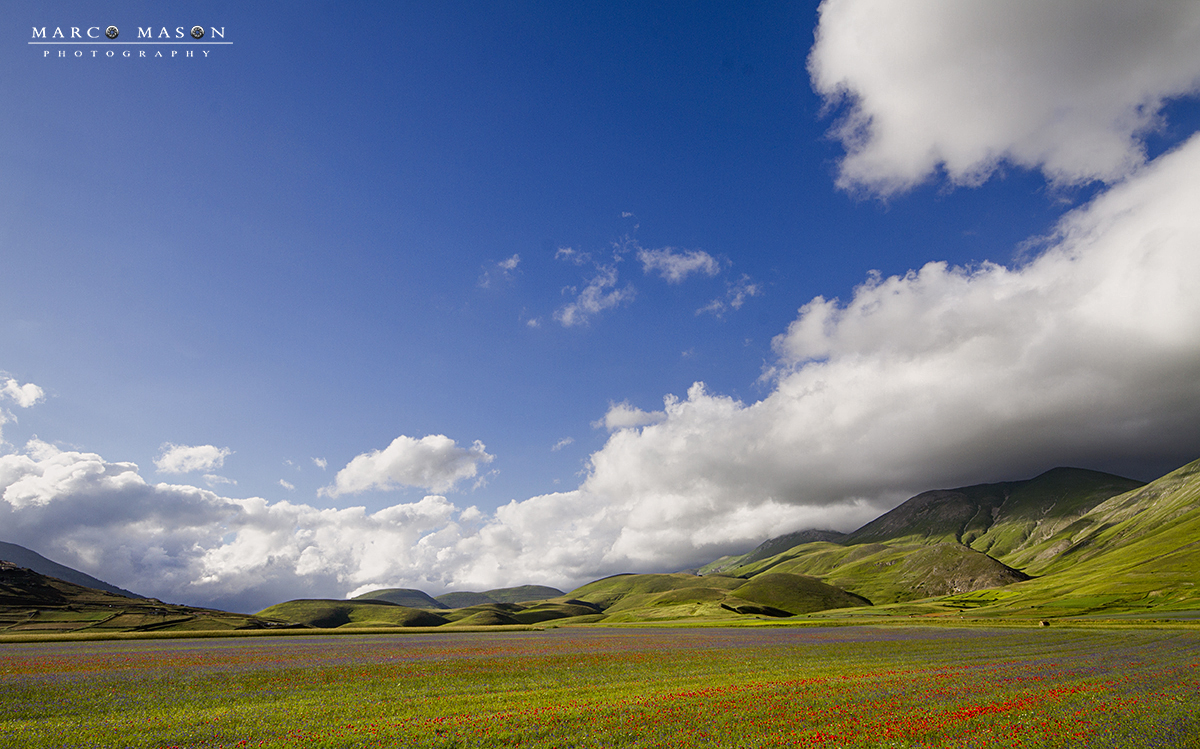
<point x="736" y="294"/>
<point x="434" y="462"/>
<point x="185" y="459"/>
<point x="213" y="479"/>
<point x="625" y="416"/>
<point x="562" y="443"/>
<point x="287" y="485"/>
<point x="320" y="463"/>
<point x="599" y="294"/>
<point x="1067" y="87"/>
<point x="675" y="266"/>
<point x="571" y="255"/>
<point x="23" y="395"/>
<point x="502" y="269"/>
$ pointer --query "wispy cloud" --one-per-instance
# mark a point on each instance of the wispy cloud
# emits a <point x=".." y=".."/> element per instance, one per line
<point x="600" y="293"/>
<point x="736" y="293"/>
<point x="500" y="270"/>
<point x="602" y="290"/>
<point x="186" y="459"/>
<point x="674" y="266"/>
<point x="562" y="443"/>
<point x="571" y="255"/>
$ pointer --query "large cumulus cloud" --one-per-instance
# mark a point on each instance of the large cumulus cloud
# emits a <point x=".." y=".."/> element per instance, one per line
<point x="434" y="462"/>
<point x="1065" y="86"/>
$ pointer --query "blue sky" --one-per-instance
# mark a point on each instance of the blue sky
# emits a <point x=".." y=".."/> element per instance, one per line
<point x="351" y="225"/>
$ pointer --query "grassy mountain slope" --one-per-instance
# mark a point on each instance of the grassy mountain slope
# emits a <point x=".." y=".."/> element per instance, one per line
<point x="944" y="542"/>
<point x="1136" y="551"/>
<point x="998" y="519"/>
<point x="796" y="594"/>
<point x="519" y="594"/>
<point x="34" y="603"/>
<point x="414" y="599"/>
<point x="680" y="596"/>
<point x="523" y="594"/>
<point x="887" y="573"/>
<point x="608" y="591"/>
<point x="769" y="548"/>
<point x="463" y="599"/>
<point x="331" y="613"/>
<point x="22" y="557"/>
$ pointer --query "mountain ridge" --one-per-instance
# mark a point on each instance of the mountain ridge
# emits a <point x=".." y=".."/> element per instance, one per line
<point x="29" y="559"/>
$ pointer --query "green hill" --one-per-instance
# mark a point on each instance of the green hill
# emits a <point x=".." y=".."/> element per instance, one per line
<point x="33" y="603"/>
<point x="463" y="599"/>
<point x="770" y="548"/>
<point x="796" y="594"/>
<point x="519" y="594"/>
<point x="523" y="594"/>
<point x="1136" y="552"/>
<point x="1066" y="543"/>
<point x="332" y="613"/>
<point x="998" y="519"/>
<point x="416" y="599"/>
<point x="608" y="591"/>
<point x="22" y="557"/>
<point x="626" y="598"/>
<point x="943" y="542"/>
<point x="886" y="573"/>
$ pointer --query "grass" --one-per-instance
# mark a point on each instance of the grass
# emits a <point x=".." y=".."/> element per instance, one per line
<point x="594" y="687"/>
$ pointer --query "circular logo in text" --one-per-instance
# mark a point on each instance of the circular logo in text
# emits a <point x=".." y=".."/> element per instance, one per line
<point x="111" y="32"/>
<point x="197" y="32"/>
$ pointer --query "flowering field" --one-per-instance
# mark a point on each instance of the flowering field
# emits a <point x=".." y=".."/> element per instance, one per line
<point x="829" y="687"/>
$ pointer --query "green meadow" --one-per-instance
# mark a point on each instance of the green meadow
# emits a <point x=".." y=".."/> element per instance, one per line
<point x="613" y="687"/>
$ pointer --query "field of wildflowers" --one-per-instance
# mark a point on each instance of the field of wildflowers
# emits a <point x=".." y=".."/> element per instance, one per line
<point x="776" y="687"/>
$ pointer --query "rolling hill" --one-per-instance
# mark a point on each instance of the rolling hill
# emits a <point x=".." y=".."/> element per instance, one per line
<point x="416" y="599"/>
<point x="519" y="594"/>
<point x="325" y="613"/>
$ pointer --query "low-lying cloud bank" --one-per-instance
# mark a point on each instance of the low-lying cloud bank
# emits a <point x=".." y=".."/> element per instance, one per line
<point x="1088" y="354"/>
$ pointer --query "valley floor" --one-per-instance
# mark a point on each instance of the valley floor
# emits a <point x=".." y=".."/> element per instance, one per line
<point x="844" y="686"/>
